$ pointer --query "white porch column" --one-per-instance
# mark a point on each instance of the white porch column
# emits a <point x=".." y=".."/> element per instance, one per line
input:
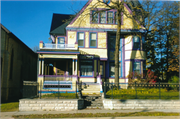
<point x="42" y="69"/>
<point x="76" y="68"/>
<point x="39" y="66"/>
<point x="73" y="67"/>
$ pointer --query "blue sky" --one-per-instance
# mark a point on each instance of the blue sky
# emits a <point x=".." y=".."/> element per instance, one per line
<point x="30" y="21"/>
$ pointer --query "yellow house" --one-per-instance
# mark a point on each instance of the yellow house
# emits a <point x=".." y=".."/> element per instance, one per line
<point x="83" y="47"/>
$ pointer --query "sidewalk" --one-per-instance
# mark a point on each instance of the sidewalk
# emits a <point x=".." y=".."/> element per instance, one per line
<point x="9" y="114"/>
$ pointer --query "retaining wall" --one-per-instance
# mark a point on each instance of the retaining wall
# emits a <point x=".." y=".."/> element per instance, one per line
<point x="140" y="104"/>
<point x="50" y="104"/>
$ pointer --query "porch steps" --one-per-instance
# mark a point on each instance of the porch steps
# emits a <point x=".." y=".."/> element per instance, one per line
<point x="93" y="102"/>
<point x="91" y="88"/>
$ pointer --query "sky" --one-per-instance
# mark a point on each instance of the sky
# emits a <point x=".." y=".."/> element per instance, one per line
<point x="30" y="21"/>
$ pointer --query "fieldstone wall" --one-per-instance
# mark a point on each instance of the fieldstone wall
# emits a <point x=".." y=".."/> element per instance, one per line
<point x="50" y="104"/>
<point x="140" y="104"/>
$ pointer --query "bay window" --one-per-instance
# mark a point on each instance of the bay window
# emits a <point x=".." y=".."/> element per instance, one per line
<point x="137" y="68"/>
<point x="136" y="43"/>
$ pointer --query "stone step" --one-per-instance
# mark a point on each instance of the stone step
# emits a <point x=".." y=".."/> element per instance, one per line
<point x="96" y="104"/>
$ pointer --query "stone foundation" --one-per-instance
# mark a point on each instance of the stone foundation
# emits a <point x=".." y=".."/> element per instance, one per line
<point x="50" y="104"/>
<point x="140" y="104"/>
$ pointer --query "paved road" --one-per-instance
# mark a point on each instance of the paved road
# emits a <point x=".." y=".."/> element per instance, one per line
<point x="9" y="114"/>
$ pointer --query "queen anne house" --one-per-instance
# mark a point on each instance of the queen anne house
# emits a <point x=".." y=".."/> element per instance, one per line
<point x="83" y="47"/>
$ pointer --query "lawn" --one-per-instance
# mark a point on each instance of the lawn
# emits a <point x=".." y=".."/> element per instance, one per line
<point x="142" y="93"/>
<point x="82" y="115"/>
<point x="61" y="96"/>
<point x="8" y="107"/>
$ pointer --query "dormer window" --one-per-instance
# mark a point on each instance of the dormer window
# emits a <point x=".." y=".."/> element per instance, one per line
<point x="61" y="40"/>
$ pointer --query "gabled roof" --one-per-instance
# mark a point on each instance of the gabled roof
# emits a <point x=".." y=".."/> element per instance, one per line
<point x="59" y="23"/>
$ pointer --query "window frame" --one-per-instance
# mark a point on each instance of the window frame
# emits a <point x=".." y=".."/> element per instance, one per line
<point x="81" y="68"/>
<point x="139" y="66"/>
<point x="59" y="42"/>
<point x="81" y="39"/>
<point x="137" y="42"/>
<point x="102" y="17"/>
<point x="91" y="39"/>
<point x="111" y="17"/>
<point x="92" y="16"/>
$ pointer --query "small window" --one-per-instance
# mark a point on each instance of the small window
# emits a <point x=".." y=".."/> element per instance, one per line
<point x="137" y="67"/>
<point x="94" y="17"/>
<point x="81" y="39"/>
<point x="103" y="17"/>
<point x="61" y="40"/>
<point x="136" y="43"/>
<point x="93" y="38"/>
<point x="110" y="18"/>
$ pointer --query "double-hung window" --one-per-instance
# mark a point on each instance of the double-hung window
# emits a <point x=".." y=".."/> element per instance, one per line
<point x="80" y="38"/>
<point x="137" y="68"/>
<point x="93" y="39"/>
<point x="86" y="67"/>
<point x="112" y="69"/>
<point x="103" y="17"/>
<point x="94" y="17"/>
<point x="136" y="42"/>
<point x="110" y="17"/>
<point x="61" y="40"/>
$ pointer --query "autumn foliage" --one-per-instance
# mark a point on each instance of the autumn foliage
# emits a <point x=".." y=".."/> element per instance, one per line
<point x="149" y="77"/>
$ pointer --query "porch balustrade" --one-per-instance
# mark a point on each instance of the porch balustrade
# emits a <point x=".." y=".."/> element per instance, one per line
<point x="59" y="46"/>
<point x="58" y="78"/>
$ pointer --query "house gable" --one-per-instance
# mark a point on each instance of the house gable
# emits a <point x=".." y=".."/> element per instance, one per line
<point x="84" y="20"/>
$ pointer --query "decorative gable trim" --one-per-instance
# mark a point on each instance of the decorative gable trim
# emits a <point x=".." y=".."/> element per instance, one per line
<point x="85" y="6"/>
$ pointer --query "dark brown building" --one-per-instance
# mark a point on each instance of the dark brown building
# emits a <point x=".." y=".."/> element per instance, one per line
<point x="18" y="64"/>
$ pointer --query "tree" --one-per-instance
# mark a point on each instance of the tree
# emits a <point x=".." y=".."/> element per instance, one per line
<point x="35" y="48"/>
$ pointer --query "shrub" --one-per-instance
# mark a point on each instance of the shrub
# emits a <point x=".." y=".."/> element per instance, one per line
<point x="174" y="79"/>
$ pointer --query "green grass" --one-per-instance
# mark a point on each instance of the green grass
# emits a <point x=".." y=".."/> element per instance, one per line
<point x="8" y="107"/>
<point x="81" y="115"/>
<point x="142" y="93"/>
<point x="61" y="96"/>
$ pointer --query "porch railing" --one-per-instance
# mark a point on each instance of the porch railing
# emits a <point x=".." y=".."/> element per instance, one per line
<point x="58" y="78"/>
<point x="59" y="46"/>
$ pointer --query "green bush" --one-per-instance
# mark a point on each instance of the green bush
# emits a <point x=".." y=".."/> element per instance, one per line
<point x="174" y="79"/>
<point x="142" y="93"/>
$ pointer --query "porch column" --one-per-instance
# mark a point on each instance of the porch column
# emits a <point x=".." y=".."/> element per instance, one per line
<point x="76" y="68"/>
<point x="39" y="66"/>
<point x="73" y="67"/>
<point x="42" y="69"/>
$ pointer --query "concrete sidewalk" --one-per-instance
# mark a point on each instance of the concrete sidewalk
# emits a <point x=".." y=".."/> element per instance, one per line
<point x="9" y="114"/>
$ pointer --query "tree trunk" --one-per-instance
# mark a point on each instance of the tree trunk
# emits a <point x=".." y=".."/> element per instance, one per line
<point x="118" y="35"/>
